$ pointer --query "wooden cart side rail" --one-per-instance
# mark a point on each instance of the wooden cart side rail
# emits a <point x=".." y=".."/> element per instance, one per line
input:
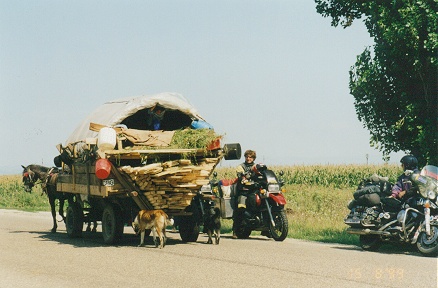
<point x="138" y="153"/>
<point x="74" y="188"/>
<point x="152" y="151"/>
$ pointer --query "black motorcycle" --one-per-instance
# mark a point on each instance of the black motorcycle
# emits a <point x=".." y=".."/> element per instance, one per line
<point x="260" y="192"/>
<point x="389" y="220"/>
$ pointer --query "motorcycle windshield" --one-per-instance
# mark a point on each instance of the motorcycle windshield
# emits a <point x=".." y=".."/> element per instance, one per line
<point x="426" y="181"/>
<point x="270" y="177"/>
<point x="430" y="171"/>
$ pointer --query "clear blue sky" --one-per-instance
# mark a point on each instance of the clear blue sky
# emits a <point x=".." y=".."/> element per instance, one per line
<point x="272" y="75"/>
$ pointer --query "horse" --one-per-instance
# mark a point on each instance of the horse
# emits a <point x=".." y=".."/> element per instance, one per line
<point x="47" y="177"/>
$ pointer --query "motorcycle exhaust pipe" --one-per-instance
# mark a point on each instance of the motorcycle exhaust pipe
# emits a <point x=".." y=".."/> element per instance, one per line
<point x="367" y="232"/>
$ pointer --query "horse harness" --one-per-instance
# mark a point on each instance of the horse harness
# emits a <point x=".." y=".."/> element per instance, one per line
<point x="50" y="179"/>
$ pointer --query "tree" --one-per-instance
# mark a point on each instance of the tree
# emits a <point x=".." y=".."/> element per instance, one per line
<point x="395" y="82"/>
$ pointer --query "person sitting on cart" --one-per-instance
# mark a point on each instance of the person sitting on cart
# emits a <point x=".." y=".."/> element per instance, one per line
<point x="155" y="116"/>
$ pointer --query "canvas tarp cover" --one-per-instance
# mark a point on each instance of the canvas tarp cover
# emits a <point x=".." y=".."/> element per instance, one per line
<point x="114" y="112"/>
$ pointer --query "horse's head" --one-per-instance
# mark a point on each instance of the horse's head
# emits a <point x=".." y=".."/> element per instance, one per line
<point x="29" y="179"/>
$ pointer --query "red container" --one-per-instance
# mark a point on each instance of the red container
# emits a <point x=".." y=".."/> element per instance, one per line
<point x="215" y="144"/>
<point x="103" y="168"/>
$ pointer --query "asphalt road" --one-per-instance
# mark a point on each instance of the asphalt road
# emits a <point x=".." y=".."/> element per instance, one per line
<point x="31" y="256"/>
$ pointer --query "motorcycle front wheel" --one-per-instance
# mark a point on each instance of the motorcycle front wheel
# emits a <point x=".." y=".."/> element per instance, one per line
<point x="369" y="242"/>
<point x="188" y="229"/>
<point x="281" y="228"/>
<point x="428" y="245"/>
<point x="243" y="232"/>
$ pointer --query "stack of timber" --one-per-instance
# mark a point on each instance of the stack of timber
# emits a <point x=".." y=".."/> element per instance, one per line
<point x="171" y="185"/>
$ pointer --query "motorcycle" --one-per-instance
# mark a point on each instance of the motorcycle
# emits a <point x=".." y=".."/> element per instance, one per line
<point x="261" y="192"/>
<point x="414" y="222"/>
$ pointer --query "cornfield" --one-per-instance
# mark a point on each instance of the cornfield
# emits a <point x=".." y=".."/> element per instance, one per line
<point x="334" y="176"/>
<point x="13" y="196"/>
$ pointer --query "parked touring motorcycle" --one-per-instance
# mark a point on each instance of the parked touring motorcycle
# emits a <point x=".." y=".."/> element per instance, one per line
<point x="264" y="201"/>
<point x="389" y="220"/>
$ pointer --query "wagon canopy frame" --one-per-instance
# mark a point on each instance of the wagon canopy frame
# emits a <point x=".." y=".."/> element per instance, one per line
<point x="128" y="110"/>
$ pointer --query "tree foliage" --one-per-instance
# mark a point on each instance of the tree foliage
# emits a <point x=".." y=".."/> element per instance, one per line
<point x="395" y="82"/>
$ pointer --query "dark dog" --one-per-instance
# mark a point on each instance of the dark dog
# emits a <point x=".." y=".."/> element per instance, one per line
<point x="212" y="224"/>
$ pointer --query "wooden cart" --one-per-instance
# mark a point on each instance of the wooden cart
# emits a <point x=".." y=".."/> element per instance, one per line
<point x="170" y="183"/>
<point x="140" y="171"/>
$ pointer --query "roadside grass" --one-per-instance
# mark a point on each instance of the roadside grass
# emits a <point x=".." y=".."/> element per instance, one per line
<point x="13" y="196"/>
<point x="317" y="213"/>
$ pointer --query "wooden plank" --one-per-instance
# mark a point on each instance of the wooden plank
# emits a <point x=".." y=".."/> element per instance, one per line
<point x="141" y="202"/>
<point x="82" y="179"/>
<point x="64" y="178"/>
<point x="80" y="168"/>
<point x="157" y="151"/>
<point x="82" y="189"/>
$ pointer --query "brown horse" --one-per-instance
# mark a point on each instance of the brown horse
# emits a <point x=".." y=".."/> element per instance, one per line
<point x="47" y="178"/>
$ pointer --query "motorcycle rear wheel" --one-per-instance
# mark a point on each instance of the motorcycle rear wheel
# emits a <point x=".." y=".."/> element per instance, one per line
<point x="428" y="245"/>
<point x="370" y="242"/>
<point x="279" y="232"/>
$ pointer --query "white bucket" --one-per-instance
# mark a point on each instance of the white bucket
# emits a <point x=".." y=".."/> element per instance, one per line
<point x="106" y="139"/>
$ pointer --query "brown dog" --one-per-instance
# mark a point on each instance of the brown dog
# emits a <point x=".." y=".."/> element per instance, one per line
<point x="156" y="220"/>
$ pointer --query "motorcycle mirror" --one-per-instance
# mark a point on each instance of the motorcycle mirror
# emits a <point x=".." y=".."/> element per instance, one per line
<point x="214" y="174"/>
<point x="281" y="173"/>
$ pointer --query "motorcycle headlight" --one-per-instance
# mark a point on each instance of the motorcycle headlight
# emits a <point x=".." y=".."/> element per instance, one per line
<point x="401" y="216"/>
<point x="274" y="188"/>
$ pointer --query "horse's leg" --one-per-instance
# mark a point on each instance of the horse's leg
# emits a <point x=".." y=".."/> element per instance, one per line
<point x="52" y="207"/>
<point x="61" y="207"/>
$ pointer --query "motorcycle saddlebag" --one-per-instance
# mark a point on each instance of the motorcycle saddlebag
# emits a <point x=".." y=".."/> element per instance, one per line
<point x="391" y="204"/>
<point x="368" y="199"/>
<point x="227" y="207"/>
<point x="227" y="192"/>
<point x="371" y="189"/>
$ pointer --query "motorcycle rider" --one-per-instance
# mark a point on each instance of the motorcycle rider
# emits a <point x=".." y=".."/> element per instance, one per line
<point x="241" y="194"/>
<point x="399" y="190"/>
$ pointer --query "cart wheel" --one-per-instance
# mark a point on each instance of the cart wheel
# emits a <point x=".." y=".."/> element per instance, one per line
<point x="112" y="224"/>
<point x="75" y="220"/>
<point x="188" y="230"/>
